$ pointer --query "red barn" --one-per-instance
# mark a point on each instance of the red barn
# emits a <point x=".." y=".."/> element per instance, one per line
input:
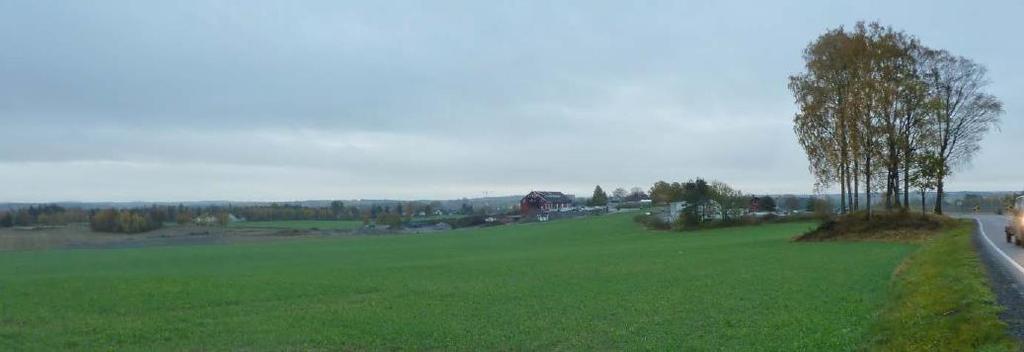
<point x="540" y="201"/>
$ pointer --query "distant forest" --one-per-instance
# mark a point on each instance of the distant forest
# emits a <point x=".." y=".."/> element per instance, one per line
<point x="142" y="219"/>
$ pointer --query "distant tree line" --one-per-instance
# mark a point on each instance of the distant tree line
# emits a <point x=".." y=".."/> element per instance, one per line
<point x="278" y="212"/>
<point x="337" y="210"/>
<point x="620" y="197"/>
<point x="46" y="214"/>
<point x="143" y="219"/>
<point x="125" y="221"/>
<point x="880" y="112"/>
<point x="105" y="220"/>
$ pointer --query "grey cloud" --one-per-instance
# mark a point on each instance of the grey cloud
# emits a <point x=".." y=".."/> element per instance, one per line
<point x="238" y="100"/>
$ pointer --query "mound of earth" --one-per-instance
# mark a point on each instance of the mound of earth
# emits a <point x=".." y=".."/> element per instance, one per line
<point x="883" y="226"/>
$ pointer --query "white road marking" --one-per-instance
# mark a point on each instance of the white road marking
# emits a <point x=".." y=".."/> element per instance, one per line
<point x="981" y="228"/>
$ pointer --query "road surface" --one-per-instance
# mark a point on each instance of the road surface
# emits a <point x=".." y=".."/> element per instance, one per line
<point x="994" y="239"/>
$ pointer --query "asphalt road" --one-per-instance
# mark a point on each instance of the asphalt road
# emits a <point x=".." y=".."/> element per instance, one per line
<point x="994" y="236"/>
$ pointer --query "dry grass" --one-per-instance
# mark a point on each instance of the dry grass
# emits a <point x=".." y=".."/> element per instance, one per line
<point x="18" y="239"/>
<point x="899" y="227"/>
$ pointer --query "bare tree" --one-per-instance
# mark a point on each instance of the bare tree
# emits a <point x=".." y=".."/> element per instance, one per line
<point x="823" y="125"/>
<point x="620" y="193"/>
<point x="962" y="112"/>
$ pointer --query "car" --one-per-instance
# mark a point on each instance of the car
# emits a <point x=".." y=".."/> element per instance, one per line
<point x="1015" y="223"/>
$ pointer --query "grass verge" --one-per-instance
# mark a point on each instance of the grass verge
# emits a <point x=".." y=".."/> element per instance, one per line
<point x="940" y="301"/>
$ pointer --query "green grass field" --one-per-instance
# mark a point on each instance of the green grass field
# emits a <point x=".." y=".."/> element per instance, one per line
<point x="588" y="284"/>
<point x="302" y="224"/>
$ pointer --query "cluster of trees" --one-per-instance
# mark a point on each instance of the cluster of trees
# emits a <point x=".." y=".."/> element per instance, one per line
<point x="767" y="203"/>
<point x="152" y="217"/>
<point x="169" y="213"/>
<point x="698" y="195"/>
<point x="278" y="212"/>
<point x="388" y="214"/>
<point x="716" y="204"/>
<point x="108" y="220"/>
<point x="124" y="221"/>
<point x="880" y="112"/>
<point x="620" y="195"/>
<point x="47" y="214"/>
<point x="980" y="202"/>
<point x="389" y="220"/>
<point x="634" y="194"/>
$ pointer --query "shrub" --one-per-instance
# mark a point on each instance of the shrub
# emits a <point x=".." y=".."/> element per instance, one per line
<point x="123" y="221"/>
<point x="684" y="225"/>
<point x="466" y="221"/>
<point x="389" y="220"/>
<point x="653" y="222"/>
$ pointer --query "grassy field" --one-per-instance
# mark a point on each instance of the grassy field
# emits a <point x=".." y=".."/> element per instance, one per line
<point x="302" y="224"/>
<point x="586" y="284"/>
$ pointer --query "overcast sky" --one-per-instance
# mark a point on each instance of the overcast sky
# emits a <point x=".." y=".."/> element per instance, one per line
<point x="287" y="100"/>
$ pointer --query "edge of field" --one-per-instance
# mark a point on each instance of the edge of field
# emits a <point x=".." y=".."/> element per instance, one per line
<point x="940" y="300"/>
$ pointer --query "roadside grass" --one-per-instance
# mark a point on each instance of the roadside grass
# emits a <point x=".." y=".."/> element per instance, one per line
<point x="301" y="224"/>
<point x="941" y="301"/>
<point x="600" y="283"/>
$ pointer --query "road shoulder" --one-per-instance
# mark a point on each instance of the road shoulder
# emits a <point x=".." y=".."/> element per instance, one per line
<point x="1005" y="283"/>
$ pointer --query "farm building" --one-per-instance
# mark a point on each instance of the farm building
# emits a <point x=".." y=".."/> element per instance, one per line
<point x="205" y="220"/>
<point x="540" y="202"/>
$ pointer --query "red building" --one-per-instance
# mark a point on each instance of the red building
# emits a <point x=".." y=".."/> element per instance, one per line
<point x="540" y="202"/>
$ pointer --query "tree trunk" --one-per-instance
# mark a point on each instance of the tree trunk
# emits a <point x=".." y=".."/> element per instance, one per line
<point x="842" y="189"/>
<point x="849" y="195"/>
<point x="938" y="197"/>
<point x="888" y="176"/>
<point x="906" y="182"/>
<point x="924" y="210"/>
<point x="867" y="185"/>
<point x="888" y="187"/>
<point x="856" y="185"/>
<point x="896" y="187"/>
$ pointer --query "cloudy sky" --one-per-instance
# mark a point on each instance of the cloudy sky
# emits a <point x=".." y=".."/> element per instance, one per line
<point x="285" y="100"/>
